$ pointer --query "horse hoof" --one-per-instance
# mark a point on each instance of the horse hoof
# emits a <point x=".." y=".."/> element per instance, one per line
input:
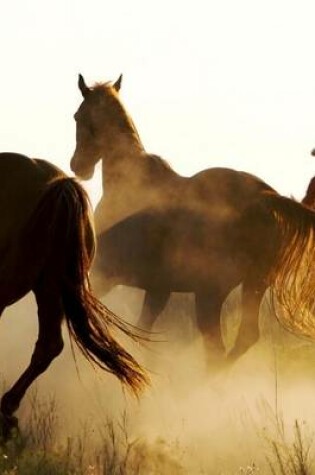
<point x="9" y="426"/>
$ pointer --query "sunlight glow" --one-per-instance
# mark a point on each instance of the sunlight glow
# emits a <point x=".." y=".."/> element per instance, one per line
<point x="207" y="83"/>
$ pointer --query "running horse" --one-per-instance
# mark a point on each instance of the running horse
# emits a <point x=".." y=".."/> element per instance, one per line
<point x="47" y="244"/>
<point x="205" y="234"/>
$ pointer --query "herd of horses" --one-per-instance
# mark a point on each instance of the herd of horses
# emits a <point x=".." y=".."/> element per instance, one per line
<point x="152" y="229"/>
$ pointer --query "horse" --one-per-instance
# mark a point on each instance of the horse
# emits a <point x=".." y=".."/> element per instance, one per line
<point x="309" y="198"/>
<point x="47" y="245"/>
<point x="204" y="234"/>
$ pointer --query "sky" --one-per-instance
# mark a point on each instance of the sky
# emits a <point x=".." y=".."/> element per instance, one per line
<point x="207" y="83"/>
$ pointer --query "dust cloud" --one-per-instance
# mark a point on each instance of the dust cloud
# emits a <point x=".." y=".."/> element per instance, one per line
<point x="197" y="421"/>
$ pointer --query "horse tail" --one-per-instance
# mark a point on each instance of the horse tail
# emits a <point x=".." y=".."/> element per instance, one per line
<point x="292" y="276"/>
<point x="90" y="323"/>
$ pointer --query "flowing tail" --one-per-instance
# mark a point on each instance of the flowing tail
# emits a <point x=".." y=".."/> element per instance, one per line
<point x="292" y="277"/>
<point x="66" y="205"/>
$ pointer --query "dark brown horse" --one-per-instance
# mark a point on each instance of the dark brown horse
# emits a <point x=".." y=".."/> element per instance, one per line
<point x="204" y="234"/>
<point x="47" y="245"/>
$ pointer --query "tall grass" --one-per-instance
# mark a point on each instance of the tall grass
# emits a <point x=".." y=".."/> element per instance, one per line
<point x="290" y="455"/>
<point x="38" y="449"/>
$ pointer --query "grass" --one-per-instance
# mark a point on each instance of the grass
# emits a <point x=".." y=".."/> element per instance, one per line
<point x="279" y="450"/>
<point x="36" y="450"/>
<point x="291" y="457"/>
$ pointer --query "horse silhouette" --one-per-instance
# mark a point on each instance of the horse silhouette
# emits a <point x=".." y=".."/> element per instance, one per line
<point x="47" y="244"/>
<point x="205" y="234"/>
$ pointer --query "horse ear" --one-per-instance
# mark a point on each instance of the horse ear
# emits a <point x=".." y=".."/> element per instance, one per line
<point x="117" y="84"/>
<point x="82" y="86"/>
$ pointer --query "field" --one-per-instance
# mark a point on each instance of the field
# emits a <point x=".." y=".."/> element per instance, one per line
<point x="255" y="418"/>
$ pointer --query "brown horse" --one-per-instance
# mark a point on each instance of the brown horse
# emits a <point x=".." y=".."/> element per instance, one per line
<point x="309" y="198"/>
<point x="204" y="234"/>
<point x="47" y="245"/>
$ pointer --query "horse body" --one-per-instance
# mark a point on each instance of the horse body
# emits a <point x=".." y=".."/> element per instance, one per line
<point x="47" y="246"/>
<point x="205" y="234"/>
<point x="151" y="182"/>
<point x="180" y="250"/>
<point x="16" y="207"/>
<point x="17" y="203"/>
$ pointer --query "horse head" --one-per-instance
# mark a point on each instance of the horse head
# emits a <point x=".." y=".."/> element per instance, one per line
<point x="97" y="118"/>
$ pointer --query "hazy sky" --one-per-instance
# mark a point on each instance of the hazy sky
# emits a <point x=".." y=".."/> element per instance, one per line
<point x="208" y="83"/>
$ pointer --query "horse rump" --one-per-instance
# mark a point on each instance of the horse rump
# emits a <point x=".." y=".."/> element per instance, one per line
<point x="67" y="235"/>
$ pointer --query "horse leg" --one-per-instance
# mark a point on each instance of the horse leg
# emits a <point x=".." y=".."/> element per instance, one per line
<point x="252" y="294"/>
<point x="48" y="346"/>
<point x="208" y="311"/>
<point x="154" y="303"/>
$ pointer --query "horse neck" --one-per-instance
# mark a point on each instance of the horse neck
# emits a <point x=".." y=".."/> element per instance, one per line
<point x="128" y="166"/>
<point x="122" y="160"/>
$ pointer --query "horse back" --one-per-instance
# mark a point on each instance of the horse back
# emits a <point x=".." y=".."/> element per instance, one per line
<point x="22" y="182"/>
<point x="225" y="185"/>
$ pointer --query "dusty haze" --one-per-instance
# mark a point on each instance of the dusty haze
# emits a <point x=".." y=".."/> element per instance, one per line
<point x="198" y="422"/>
